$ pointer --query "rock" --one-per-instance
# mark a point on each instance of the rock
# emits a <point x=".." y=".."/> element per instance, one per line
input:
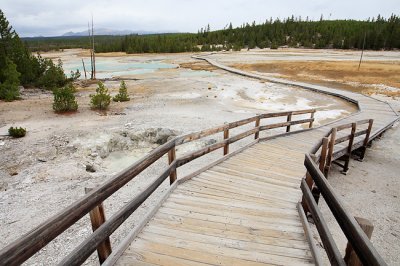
<point x="2" y="143"/>
<point x="103" y="152"/>
<point x="210" y="142"/>
<point x="94" y="154"/>
<point x="90" y="168"/>
<point x="163" y="134"/>
<point x="47" y="155"/>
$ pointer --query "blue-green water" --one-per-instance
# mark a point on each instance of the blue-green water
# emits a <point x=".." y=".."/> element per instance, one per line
<point x="109" y="68"/>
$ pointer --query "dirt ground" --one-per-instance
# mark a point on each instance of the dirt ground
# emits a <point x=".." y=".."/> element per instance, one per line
<point x="47" y="170"/>
<point x="372" y="77"/>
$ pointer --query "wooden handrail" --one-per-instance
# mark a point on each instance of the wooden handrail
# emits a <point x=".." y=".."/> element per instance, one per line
<point x="331" y="249"/>
<point x="26" y="246"/>
<point x="353" y="232"/>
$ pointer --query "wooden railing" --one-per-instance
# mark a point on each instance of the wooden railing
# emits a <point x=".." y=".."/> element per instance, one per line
<point x="315" y="184"/>
<point x="25" y="247"/>
<point x="333" y="146"/>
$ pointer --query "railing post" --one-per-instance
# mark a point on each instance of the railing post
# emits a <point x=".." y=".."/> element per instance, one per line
<point x="289" y="119"/>
<point x="171" y="158"/>
<point x="97" y="218"/>
<point x="365" y="144"/>
<point x="226" y="136"/>
<point x="349" y="148"/>
<point x="324" y="150"/>
<point x="312" y="117"/>
<point x="330" y="152"/>
<point x="257" y="134"/>
<point x="351" y="257"/>
<point x="310" y="183"/>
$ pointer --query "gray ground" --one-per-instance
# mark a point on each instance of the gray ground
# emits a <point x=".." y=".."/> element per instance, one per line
<point x="46" y="171"/>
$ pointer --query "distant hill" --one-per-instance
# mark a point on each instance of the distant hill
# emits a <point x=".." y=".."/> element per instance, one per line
<point x="105" y="31"/>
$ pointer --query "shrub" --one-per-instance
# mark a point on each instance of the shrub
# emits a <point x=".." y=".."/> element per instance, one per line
<point x="52" y="75"/>
<point x="101" y="100"/>
<point x="64" y="99"/>
<point x="122" y="95"/>
<point x="17" y="132"/>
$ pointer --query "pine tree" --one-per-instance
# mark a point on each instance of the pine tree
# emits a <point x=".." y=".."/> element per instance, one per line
<point x="9" y="90"/>
<point x="64" y="99"/>
<point x="101" y="100"/>
<point x="122" y="95"/>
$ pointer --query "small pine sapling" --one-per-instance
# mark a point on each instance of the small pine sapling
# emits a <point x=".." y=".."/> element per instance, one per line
<point x="64" y="99"/>
<point x="101" y="100"/>
<point x="122" y="95"/>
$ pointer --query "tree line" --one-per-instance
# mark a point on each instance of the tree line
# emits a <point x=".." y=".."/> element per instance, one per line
<point x="19" y="67"/>
<point x="379" y="33"/>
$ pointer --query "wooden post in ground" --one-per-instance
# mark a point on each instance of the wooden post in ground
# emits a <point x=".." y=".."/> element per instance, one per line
<point x="330" y="152"/>
<point x="365" y="144"/>
<point x="97" y="218"/>
<point x="312" y="119"/>
<point x="349" y="148"/>
<point x="226" y="136"/>
<point x="351" y="257"/>
<point x="289" y="118"/>
<point x="171" y="158"/>
<point x="324" y="150"/>
<point x="310" y="183"/>
<point x="257" y="134"/>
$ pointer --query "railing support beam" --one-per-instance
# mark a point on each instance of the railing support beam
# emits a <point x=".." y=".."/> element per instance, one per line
<point x="351" y="257"/>
<point x="226" y="136"/>
<point x="97" y="218"/>
<point x="171" y="159"/>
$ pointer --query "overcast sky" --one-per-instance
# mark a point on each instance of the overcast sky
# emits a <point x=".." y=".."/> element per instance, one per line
<point x="55" y="17"/>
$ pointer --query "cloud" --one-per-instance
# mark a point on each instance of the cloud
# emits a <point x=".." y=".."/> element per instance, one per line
<point x="49" y="18"/>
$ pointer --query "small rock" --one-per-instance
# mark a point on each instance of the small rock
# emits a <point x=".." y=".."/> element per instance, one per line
<point x="373" y="191"/>
<point x="90" y="168"/>
<point x="2" y="143"/>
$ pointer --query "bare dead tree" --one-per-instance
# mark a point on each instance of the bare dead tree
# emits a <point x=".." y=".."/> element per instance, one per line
<point x="91" y="52"/>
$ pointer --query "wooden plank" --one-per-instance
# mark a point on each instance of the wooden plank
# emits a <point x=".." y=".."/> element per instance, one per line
<point x="256" y="163"/>
<point x="144" y="257"/>
<point x="255" y="185"/>
<point x="273" y="178"/>
<point x="243" y="235"/>
<point x="201" y="215"/>
<point x="281" y="220"/>
<point x="229" y="243"/>
<point x="197" y="203"/>
<point x="273" y="173"/>
<point x="165" y="245"/>
<point x="190" y="254"/>
<point x="264" y="182"/>
<point x="206" y="190"/>
<point x="179" y="197"/>
<point x="292" y="173"/>
<point x="226" y="188"/>
<point x="254" y="231"/>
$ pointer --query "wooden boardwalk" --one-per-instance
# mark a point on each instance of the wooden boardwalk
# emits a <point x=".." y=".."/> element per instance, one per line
<point x="243" y="211"/>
